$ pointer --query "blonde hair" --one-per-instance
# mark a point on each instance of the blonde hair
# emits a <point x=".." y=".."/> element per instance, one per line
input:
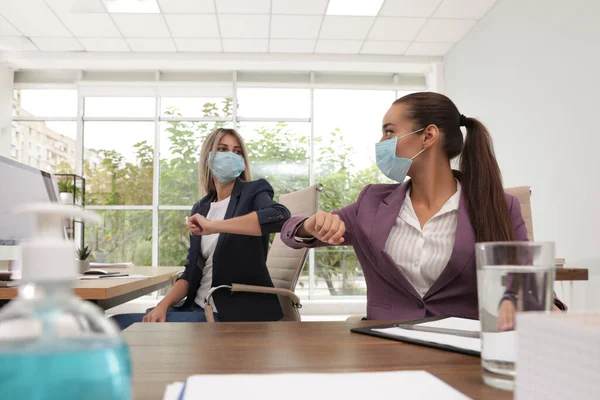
<point x="210" y="146"/>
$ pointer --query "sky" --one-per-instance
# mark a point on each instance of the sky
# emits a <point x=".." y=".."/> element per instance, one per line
<point x="358" y="114"/>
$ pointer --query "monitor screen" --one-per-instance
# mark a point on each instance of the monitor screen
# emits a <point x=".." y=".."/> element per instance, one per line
<point x="19" y="185"/>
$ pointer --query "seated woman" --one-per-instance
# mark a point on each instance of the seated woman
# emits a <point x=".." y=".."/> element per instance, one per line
<point x="416" y="240"/>
<point x="229" y="241"/>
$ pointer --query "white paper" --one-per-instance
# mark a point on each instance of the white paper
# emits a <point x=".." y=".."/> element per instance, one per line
<point x="418" y="385"/>
<point x="559" y="355"/>
<point x="129" y="276"/>
<point x="173" y="391"/>
<point x="461" y="342"/>
<point x="462" y="324"/>
<point x="111" y="265"/>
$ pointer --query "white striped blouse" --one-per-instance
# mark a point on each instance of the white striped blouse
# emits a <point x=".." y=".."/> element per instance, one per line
<point x="422" y="254"/>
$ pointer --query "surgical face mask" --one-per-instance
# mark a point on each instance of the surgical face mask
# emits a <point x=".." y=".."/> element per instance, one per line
<point x="394" y="167"/>
<point x="227" y="166"/>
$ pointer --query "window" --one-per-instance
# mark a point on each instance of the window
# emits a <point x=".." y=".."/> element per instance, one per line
<point x="180" y="144"/>
<point x="45" y="103"/>
<point x="118" y="165"/>
<point x="279" y="152"/>
<point x="173" y="237"/>
<point x="122" y="236"/>
<point x="31" y="108"/>
<point x="205" y="107"/>
<point x="129" y="107"/>
<point x="126" y="151"/>
<point x="141" y="151"/>
<point x="275" y="124"/>
<point x="347" y="126"/>
<point x="273" y="103"/>
<point x="186" y="123"/>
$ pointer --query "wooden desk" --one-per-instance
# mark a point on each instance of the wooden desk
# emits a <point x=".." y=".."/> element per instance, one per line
<point x="108" y="293"/>
<point x="572" y="274"/>
<point x="165" y="353"/>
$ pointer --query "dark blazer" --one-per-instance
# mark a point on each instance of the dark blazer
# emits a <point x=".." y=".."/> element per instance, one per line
<point x="239" y="258"/>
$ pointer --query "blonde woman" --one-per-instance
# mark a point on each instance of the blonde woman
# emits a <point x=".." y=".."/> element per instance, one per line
<point x="229" y="239"/>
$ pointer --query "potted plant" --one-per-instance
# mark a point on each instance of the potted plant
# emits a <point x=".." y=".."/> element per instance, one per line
<point x="68" y="192"/>
<point x="83" y="255"/>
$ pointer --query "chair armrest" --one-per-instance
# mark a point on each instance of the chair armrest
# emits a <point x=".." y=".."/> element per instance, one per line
<point x="208" y="311"/>
<point x="355" y="318"/>
<point x="267" y="290"/>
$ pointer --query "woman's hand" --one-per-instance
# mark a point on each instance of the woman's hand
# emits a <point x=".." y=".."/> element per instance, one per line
<point x="158" y="314"/>
<point x="328" y="228"/>
<point x="200" y="225"/>
<point x="506" y="315"/>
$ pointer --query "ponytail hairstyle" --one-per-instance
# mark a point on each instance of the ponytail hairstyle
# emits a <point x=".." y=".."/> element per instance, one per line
<point x="481" y="179"/>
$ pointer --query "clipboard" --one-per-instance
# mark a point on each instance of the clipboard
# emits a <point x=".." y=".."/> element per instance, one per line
<point x="373" y="331"/>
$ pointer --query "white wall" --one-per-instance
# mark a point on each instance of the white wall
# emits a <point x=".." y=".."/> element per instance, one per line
<point x="530" y="70"/>
<point x="6" y="95"/>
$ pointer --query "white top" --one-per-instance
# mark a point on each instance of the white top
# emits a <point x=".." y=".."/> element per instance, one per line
<point x="422" y="254"/>
<point x="208" y="244"/>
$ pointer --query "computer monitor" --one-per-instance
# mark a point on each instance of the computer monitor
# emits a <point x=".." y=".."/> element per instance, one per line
<point x="19" y="185"/>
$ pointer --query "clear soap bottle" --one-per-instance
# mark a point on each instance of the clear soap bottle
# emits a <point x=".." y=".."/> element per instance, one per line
<point x="52" y="344"/>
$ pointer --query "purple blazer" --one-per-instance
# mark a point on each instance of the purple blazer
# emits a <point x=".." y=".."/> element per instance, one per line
<point x="390" y="296"/>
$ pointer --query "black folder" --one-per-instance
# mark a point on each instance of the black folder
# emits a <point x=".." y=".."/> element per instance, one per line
<point x="371" y="332"/>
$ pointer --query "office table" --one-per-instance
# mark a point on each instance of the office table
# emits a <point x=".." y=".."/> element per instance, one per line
<point x="165" y="353"/>
<point x="572" y="274"/>
<point x="111" y="292"/>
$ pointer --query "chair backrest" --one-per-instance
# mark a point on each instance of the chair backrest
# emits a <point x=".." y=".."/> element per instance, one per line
<point x="523" y="193"/>
<point x="284" y="263"/>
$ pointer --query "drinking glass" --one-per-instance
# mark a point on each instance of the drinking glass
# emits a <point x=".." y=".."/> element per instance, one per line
<point x="512" y="277"/>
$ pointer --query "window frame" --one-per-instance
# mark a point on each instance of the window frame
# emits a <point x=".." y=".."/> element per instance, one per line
<point x="157" y="90"/>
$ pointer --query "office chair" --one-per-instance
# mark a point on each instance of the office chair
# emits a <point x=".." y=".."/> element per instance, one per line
<point x="284" y="263"/>
<point x="523" y="194"/>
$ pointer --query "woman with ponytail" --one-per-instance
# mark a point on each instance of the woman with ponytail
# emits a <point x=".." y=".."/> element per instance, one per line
<point x="416" y="239"/>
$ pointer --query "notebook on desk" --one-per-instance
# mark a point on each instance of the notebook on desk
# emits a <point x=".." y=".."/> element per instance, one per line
<point x="349" y="386"/>
<point x="460" y="335"/>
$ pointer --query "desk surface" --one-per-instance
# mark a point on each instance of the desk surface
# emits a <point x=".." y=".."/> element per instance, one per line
<point x="165" y="353"/>
<point x="572" y="274"/>
<point x="107" y="288"/>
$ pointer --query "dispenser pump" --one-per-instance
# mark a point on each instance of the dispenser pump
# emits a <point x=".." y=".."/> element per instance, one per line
<point x="48" y="255"/>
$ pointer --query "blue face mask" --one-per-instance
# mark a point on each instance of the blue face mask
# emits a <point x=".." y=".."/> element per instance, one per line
<point x="393" y="167"/>
<point x="227" y="166"/>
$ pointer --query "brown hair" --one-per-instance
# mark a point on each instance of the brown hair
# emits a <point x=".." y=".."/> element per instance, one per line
<point x="210" y="145"/>
<point x="481" y="179"/>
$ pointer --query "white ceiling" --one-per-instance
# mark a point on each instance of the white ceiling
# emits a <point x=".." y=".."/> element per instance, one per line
<point x="402" y="27"/>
